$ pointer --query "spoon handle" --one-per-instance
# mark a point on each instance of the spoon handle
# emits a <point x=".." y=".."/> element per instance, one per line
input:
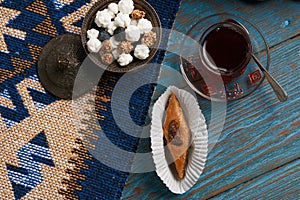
<point x="279" y="91"/>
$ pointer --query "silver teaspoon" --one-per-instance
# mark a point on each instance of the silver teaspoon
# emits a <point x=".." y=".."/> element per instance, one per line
<point x="279" y="91"/>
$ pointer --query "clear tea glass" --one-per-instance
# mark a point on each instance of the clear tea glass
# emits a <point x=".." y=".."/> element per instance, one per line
<point x="225" y="49"/>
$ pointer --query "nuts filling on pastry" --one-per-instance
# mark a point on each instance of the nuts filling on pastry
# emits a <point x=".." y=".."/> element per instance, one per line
<point x="174" y="133"/>
<point x="177" y="135"/>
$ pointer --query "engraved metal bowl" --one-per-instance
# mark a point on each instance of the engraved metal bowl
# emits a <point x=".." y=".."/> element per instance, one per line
<point x="136" y="64"/>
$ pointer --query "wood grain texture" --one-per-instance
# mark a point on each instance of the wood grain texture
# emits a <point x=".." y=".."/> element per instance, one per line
<point x="260" y="140"/>
<point x="278" y="19"/>
<point x="277" y="184"/>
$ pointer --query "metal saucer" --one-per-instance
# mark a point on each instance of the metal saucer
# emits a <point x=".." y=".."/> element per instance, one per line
<point x="213" y="87"/>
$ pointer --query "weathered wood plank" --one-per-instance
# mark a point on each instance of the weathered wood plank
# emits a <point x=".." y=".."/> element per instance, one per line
<point x="278" y="19"/>
<point x="260" y="133"/>
<point x="276" y="184"/>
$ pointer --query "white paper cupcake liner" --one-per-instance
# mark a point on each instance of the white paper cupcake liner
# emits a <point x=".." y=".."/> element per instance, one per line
<point x="199" y="140"/>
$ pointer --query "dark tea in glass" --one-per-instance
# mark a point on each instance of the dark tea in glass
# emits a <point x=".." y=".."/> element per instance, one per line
<point x="225" y="49"/>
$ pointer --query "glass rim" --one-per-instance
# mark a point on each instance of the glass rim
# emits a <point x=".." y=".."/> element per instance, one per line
<point x="241" y="31"/>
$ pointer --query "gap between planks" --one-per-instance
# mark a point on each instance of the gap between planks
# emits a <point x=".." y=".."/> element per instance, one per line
<point x="255" y="177"/>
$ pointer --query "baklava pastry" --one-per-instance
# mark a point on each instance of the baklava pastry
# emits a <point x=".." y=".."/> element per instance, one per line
<point x="177" y="135"/>
<point x="178" y="139"/>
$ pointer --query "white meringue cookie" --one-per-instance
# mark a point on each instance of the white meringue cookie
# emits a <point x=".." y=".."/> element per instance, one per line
<point x="101" y="12"/>
<point x="115" y="53"/>
<point x="125" y="59"/>
<point x="141" y="52"/>
<point x="94" y="45"/>
<point x="114" y="43"/>
<point x="111" y="27"/>
<point x="144" y="25"/>
<point x="122" y="20"/>
<point x="103" y="18"/>
<point x="134" y="22"/>
<point x="126" y="6"/>
<point x="132" y="33"/>
<point x="92" y="33"/>
<point x="112" y="15"/>
<point x="113" y="7"/>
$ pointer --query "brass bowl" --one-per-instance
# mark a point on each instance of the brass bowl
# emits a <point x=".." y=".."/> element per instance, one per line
<point x="136" y="64"/>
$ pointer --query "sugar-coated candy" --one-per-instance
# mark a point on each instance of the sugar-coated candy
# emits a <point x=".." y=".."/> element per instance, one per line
<point x="149" y="38"/>
<point x="141" y="51"/>
<point x="111" y="27"/>
<point x="92" y="33"/>
<point x="138" y="14"/>
<point x="107" y="58"/>
<point x="122" y="20"/>
<point x="125" y="59"/>
<point x="132" y="33"/>
<point x="125" y="47"/>
<point x="112" y="15"/>
<point x="94" y="45"/>
<point x="144" y="25"/>
<point x="106" y="47"/>
<point x="113" y="7"/>
<point x="126" y="6"/>
<point x="103" y="18"/>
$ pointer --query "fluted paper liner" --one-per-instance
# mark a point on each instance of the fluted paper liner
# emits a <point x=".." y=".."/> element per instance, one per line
<point x="199" y="141"/>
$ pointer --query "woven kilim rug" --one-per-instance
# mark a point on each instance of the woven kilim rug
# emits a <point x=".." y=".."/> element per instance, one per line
<point x="41" y="153"/>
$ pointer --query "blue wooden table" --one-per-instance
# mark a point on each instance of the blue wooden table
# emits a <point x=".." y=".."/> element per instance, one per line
<point x="257" y="153"/>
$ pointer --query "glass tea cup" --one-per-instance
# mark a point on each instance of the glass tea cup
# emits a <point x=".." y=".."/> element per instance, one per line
<point x="225" y="49"/>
